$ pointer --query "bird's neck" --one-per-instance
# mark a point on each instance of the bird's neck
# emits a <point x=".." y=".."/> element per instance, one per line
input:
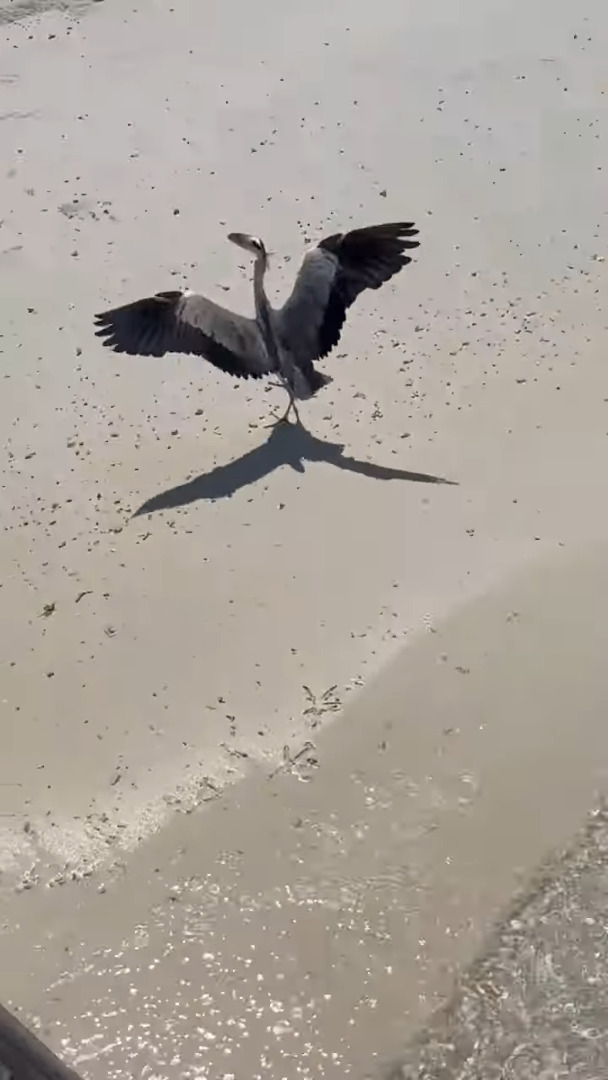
<point x="261" y="301"/>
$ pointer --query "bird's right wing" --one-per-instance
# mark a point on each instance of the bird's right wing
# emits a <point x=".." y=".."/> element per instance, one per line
<point x="186" y="323"/>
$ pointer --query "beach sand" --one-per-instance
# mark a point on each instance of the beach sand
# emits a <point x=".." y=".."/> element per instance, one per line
<point x="189" y="600"/>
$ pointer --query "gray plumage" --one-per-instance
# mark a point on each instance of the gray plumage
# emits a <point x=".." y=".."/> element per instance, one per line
<point x="284" y="342"/>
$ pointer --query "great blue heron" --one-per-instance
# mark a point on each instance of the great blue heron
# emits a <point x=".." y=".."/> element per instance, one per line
<point x="284" y="342"/>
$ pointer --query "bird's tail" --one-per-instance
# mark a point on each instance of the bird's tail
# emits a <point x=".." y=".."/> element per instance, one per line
<point x="306" y="384"/>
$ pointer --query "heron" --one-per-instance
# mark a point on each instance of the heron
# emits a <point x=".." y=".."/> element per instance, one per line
<point x="283" y="342"/>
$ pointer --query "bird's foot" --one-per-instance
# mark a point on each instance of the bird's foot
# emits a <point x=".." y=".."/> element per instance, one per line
<point x="278" y="420"/>
<point x="284" y="419"/>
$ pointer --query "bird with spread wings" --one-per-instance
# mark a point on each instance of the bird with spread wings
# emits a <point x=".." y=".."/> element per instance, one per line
<point x="284" y="342"/>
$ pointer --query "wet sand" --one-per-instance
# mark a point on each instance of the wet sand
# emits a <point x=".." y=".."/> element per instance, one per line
<point x="188" y="601"/>
<point x="535" y="1002"/>
<point x="308" y="923"/>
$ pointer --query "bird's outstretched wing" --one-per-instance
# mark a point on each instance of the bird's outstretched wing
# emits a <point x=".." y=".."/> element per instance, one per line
<point x="186" y="323"/>
<point x="331" y="278"/>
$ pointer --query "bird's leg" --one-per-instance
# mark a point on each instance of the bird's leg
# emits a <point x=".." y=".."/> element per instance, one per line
<point x="292" y="405"/>
<point x="284" y="419"/>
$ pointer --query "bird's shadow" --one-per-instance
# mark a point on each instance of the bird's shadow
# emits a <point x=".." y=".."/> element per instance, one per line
<point x="288" y="444"/>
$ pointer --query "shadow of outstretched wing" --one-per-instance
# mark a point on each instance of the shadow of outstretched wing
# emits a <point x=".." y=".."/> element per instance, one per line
<point x="288" y="444"/>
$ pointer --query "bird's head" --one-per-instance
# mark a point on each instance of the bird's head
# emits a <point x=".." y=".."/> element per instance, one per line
<point x="252" y="244"/>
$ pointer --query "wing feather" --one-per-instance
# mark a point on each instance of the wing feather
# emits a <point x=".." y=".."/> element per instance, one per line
<point x="331" y="278"/>
<point x="186" y="323"/>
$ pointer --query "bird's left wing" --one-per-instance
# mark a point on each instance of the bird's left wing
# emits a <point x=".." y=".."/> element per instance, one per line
<point x="183" y="322"/>
<point x="331" y="278"/>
